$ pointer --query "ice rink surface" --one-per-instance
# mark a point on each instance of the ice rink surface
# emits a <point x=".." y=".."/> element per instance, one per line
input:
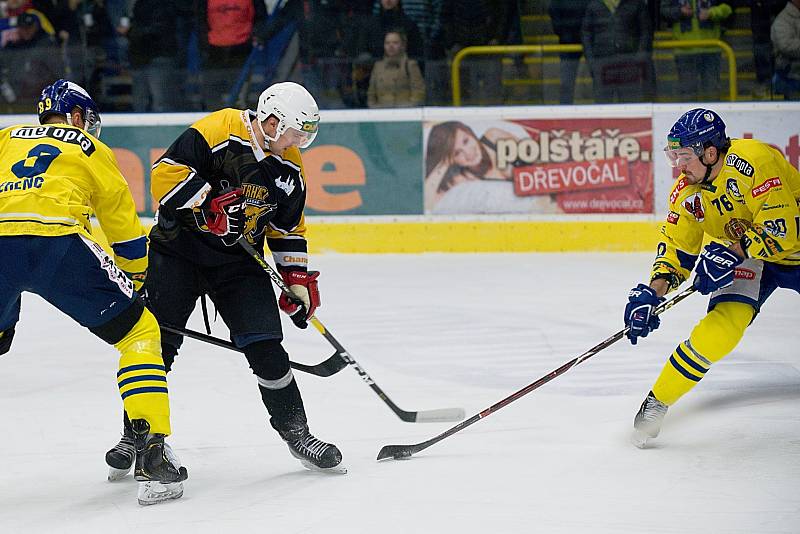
<point x="434" y="331"/>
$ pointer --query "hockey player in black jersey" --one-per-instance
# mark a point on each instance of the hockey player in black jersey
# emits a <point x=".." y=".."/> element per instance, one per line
<point x="239" y="173"/>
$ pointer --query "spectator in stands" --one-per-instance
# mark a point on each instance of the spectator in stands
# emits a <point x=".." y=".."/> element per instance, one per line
<point x="426" y="14"/>
<point x="786" y="42"/>
<point x="396" y="81"/>
<point x="323" y="58"/>
<point x="390" y="16"/>
<point x="227" y="32"/>
<point x="617" y="43"/>
<point x="119" y="15"/>
<point x="698" y="68"/>
<point x="567" y="17"/>
<point x="155" y="66"/>
<point x="762" y="14"/>
<point x="32" y="59"/>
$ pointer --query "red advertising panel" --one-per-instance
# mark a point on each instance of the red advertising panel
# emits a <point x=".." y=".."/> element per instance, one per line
<point x="539" y="166"/>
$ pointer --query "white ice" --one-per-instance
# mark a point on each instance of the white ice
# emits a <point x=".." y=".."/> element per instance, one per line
<point x="434" y="331"/>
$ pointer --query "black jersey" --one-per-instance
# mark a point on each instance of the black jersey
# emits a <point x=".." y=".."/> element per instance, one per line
<point x="215" y="153"/>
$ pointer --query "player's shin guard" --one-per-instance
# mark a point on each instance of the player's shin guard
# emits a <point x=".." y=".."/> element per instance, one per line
<point x="714" y="337"/>
<point x="142" y="379"/>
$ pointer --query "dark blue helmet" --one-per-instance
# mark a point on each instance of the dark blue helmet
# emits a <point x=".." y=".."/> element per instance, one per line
<point x="698" y="129"/>
<point x="61" y="97"/>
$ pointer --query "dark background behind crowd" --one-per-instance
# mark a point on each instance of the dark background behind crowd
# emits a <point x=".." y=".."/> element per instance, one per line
<point x="193" y="55"/>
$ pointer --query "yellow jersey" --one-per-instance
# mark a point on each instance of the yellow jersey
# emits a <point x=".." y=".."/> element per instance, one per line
<point x="54" y="177"/>
<point x="753" y="201"/>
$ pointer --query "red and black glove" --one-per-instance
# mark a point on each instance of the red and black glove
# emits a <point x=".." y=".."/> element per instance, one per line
<point x="224" y="217"/>
<point x="304" y="286"/>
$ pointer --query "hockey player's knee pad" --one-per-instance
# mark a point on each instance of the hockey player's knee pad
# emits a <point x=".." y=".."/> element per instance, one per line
<point x="5" y="340"/>
<point x="718" y="333"/>
<point x="143" y="337"/>
<point x="267" y="359"/>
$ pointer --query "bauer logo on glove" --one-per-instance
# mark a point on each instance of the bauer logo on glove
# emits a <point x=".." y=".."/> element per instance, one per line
<point x="716" y="268"/>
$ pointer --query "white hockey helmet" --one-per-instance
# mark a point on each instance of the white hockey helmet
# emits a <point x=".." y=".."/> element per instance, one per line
<point x="294" y="107"/>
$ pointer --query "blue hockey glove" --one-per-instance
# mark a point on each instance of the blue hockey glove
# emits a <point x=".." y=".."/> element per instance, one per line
<point x="716" y="268"/>
<point x="642" y="300"/>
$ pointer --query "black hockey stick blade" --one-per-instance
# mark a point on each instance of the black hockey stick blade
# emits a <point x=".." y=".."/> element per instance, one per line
<point x="399" y="452"/>
<point x="325" y="368"/>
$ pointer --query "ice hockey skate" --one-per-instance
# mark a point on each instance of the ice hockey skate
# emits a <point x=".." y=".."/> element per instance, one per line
<point x="313" y="453"/>
<point x="158" y="469"/>
<point x="647" y="423"/>
<point x="121" y="456"/>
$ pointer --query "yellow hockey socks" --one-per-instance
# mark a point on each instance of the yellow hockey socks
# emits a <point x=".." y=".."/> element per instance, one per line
<point x="714" y="337"/>
<point x="142" y="379"/>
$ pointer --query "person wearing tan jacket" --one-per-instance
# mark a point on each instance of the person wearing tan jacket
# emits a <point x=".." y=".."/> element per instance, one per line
<point x="396" y="80"/>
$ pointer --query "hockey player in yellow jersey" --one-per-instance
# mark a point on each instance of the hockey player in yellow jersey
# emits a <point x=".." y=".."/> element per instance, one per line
<point x="53" y="177"/>
<point x="744" y="195"/>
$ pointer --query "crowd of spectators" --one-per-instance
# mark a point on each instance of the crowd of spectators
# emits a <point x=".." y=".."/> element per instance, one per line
<point x="193" y="55"/>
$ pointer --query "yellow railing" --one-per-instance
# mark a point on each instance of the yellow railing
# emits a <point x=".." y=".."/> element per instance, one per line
<point x="559" y="48"/>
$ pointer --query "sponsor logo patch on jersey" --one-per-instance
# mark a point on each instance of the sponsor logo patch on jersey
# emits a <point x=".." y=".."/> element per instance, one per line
<point x="694" y="205"/>
<point x="673" y="217"/>
<point x="744" y="274"/>
<point x="732" y="188"/>
<point x="741" y="165"/>
<point x="677" y="190"/>
<point x="766" y="186"/>
<point x="736" y="228"/>
<point x="73" y="136"/>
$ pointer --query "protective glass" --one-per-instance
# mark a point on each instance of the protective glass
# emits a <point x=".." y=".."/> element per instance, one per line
<point x="678" y="157"/>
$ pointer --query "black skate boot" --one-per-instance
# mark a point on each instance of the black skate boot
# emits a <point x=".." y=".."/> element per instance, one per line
<point x="158" y="469"/>
<point x="313" y="453"/>
<point x="647" y="423"/>
<point x="121" y="457"/>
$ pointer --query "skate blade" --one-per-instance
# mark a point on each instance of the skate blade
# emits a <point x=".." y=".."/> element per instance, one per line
<point x="639" y="439"/>
<point x="115" y="474"/>
<point x="335" y="470"/>
<point x="153" y="492"/>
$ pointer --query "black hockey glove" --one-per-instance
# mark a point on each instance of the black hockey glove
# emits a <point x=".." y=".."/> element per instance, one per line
<point x="225" y="216"/>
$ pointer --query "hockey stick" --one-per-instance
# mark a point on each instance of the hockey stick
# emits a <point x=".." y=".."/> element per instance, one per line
<point x="422" y="416"/>
<point x="328" y="367"/>
<point x="398" y="452"/>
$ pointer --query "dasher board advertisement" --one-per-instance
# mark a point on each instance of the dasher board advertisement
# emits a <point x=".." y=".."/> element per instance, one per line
<point x="538" y="166"/>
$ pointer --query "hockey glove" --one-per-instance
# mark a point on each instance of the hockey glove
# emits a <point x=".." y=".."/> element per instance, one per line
<point x="225" y="216"/>
<point x="5" y="340"/>
<point x="304" y="286"/>
<point x="642" y="300"/>
<point x="716" y="268"/>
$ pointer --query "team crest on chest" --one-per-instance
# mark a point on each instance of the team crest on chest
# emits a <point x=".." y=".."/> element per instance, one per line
<point x="694" y="205"/>
<point x="736" y="228"/>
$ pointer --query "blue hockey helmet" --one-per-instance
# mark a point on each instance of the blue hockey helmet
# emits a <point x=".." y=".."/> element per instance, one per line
<point x="61" y="97"/>
<point x="697" y="129"/>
